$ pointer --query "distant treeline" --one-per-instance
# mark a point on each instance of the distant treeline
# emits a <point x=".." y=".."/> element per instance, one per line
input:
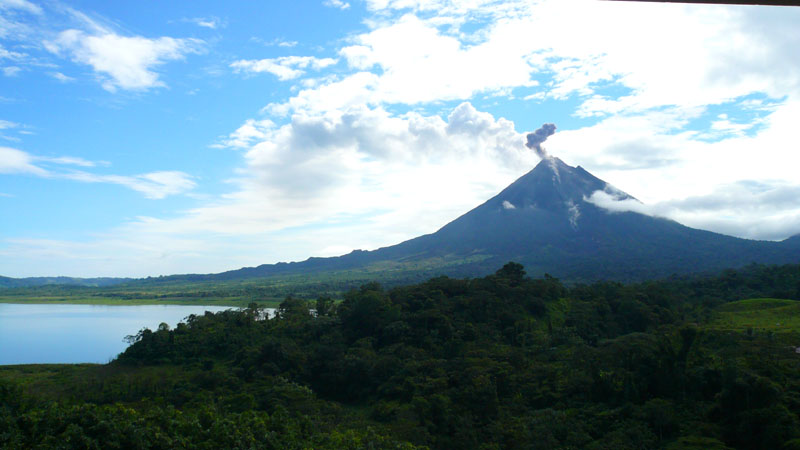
<point x="500" y="362"/>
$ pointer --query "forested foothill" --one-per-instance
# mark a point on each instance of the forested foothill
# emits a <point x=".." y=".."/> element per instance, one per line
<point x="500" y="362"/>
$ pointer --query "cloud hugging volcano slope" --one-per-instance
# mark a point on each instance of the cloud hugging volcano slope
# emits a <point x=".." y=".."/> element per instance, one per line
<point x="546" y="221"/>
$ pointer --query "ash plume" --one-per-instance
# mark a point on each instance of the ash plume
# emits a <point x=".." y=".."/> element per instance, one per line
<point x="536" y="139"/>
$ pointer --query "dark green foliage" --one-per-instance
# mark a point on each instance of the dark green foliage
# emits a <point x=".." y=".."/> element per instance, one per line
<point x="503" y="361"/>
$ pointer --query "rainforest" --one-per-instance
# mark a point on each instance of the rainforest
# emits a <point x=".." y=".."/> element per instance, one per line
<point x="504" y="361"/>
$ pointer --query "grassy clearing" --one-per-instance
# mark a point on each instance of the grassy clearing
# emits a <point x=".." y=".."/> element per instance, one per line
<point x="758" y="314"/>
<point x="45" y="377"/>
<point x="756" y="304"/>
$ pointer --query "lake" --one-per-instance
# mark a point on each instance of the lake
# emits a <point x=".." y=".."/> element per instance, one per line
<point x="49" y="333"/>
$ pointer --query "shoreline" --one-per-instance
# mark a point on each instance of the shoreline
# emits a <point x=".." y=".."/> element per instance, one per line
<point x="136" y="302"/>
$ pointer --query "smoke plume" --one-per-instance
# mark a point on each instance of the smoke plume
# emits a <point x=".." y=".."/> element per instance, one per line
<point x="536" y="139"/>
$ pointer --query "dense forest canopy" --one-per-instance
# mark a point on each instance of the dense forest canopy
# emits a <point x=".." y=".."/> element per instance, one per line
<point x="503" y="361"/>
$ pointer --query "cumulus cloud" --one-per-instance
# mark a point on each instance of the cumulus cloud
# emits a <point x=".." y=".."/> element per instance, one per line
<point x="655" y="157"/>
<point x="721" y="53"/>
<point x="122" y="62"/>
<point x="645" y="139"/>
<point x="452" y="12"/>
<point x="415" y="58"/>
<point x="411" y="61"/>
<point x="284" y="67"/>
<point x="420" y="63"/>
<point x="244" y="136"/>
<point x="337" y="158"/>
<point x="626" y="143"/>
<point x="417" y="170"/>
<point x="361" y="179"/>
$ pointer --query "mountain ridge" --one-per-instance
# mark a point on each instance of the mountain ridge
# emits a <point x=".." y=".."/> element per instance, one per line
<point x="545" y="221"/>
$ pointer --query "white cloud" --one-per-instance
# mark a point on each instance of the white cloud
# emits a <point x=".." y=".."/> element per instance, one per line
<point x="721" y="53"/>
<point x="13" y="23"/>
<point x="275" y="42"/>
<point x="352" y="91"/>
<point x="645" y="140"/>
<point x="122" y="62"/>
<point x="68" y="160"/>
<point x="20" y="5"/>
<point x="747" y="209"/>
<point x="208" y="22"/>
<point x="11" y="71"/>
<point x="418" y="170"/>
<point x="17" y="161"/>
<point x="652" y="157"/>
<point x="418" y="63"/>
<point x="336" y="4"/>
<point x="250" y="132"/>
<point x="284" y="67"/>
<point x="336" y="161"/>
<point x="104" y="255"/>
<point x="13" y="56"/>
<point x="702" y="184"/>
<point x="154" y="185"/>
<point x="61" y="77"/>
<point x="6" y="124"/>
<point x="360" y="179"/>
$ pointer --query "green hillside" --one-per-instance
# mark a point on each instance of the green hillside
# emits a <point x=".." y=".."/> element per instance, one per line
<point x="500" y="362"/>
<point x="758" y="314"/>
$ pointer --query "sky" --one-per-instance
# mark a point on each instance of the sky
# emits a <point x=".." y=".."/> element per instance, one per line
<point x="151" y="138"/>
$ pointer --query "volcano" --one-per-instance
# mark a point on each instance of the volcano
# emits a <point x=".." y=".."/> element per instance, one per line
<point x="545" y="221"/>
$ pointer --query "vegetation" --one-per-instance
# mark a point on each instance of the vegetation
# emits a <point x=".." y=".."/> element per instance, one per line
<point x="761" y="314"/>
<point x="186" y="290"/>
<point x="503" y="361"/>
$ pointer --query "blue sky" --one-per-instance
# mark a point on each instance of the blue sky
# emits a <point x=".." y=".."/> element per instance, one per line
<point x="148" y="138"/>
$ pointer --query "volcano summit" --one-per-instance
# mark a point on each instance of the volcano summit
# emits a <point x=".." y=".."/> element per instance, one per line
<point x="546" y="221"/>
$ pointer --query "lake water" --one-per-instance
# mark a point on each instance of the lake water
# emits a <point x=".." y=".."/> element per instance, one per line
<point x="36" y="334"/>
